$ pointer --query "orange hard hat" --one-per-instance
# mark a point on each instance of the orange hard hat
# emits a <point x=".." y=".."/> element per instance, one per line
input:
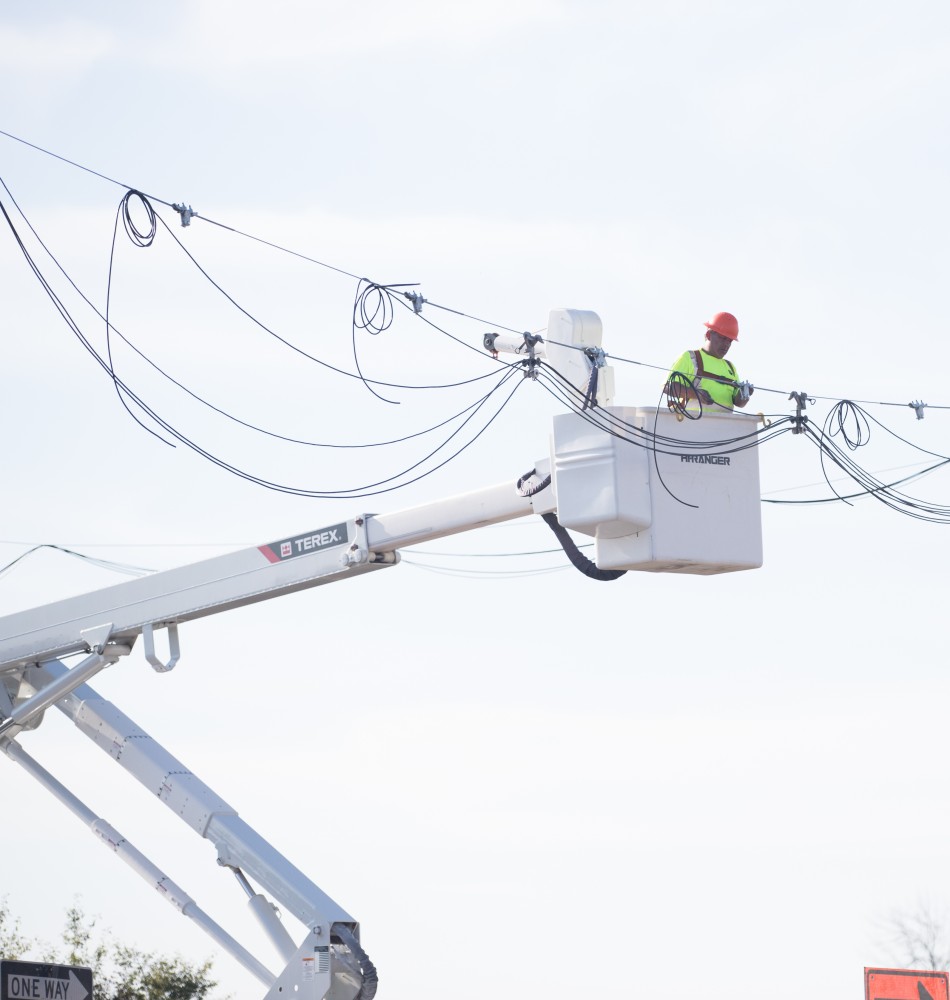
<point x="724" y="324"/>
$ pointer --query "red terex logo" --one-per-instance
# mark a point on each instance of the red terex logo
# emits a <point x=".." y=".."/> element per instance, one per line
<point x="905" y="984"/>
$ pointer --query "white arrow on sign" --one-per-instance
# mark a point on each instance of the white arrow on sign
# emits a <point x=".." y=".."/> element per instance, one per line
<point x="75" y="989"/>
<point x="45" y="987"/>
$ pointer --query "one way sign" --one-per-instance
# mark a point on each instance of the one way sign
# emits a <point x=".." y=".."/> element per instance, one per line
<point x="42" y="981"/>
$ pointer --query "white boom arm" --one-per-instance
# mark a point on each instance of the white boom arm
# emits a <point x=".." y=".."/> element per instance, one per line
<point x="106" y="623"/>
<point x="335" y="552"/>
<point x="604" y="479"/>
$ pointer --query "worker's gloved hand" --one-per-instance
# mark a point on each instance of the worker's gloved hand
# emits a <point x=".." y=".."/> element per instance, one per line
<point x="743" y="392"/>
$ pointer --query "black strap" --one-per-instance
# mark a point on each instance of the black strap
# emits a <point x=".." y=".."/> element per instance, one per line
<point x="697" y="357"/>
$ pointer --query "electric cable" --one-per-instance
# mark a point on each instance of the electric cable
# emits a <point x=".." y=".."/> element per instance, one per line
<point x="837" y="422"/>
<point x="845" y="420"/>
<point x="294" y="347"/>
<point x="847" y="424"/>
<point x="375" y="321"/>
<point x="856" y="496"/>
<point x="488" y="555"/>
<point x="200" y="399"/>
<point x="567" y="394"/>
<point x="126" y="568"/>
<point x="228" y="228"/>
<point x="351" y="274"/>
<point x="140" y="239"/>
<point x="321" y="263"/>
<point x="476" y="574"/>
<point x="372" y="489"/>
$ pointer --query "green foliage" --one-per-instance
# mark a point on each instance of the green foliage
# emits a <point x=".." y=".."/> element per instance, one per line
<point x="12" y="943"/>
<point x="120" y="972"/>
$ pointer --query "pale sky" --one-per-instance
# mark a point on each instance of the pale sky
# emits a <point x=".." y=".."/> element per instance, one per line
<point x="518" y="784"/>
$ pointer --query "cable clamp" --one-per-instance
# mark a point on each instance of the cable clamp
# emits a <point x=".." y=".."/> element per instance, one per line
<point x="417" y="300"/>
<point x="918" y="408"/>
<point x="186" y="212"/>
<point x="743" y="392"/>
<point x="596" y="356"/>
<point x="531" y="340"/>
<point x="799" y="420"/>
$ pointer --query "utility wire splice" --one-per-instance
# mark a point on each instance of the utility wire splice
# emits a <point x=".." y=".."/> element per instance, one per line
<point x="186" y="212"/>
<point x="417" y="300"/>
<point x="918" y="408"/>
<point x="799" y="420"/>
<point x="531" y="340"/>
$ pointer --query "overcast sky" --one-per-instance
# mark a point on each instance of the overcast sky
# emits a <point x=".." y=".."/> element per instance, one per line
<point x="518" y="781"/>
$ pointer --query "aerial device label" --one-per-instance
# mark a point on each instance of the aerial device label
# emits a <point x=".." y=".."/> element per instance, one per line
<point x="706" y="459"/>
<point x="304" y="545"/>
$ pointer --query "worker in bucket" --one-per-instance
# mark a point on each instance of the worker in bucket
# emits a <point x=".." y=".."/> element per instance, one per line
<point x="705" y="374"/>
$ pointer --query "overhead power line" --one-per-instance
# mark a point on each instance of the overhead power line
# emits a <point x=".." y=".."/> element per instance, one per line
<point x="373" y="313"/>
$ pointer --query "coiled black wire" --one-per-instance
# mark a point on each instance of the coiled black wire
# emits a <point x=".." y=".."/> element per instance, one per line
<point x="370" y="489"/>
<point x="139" y="237"/>
<point x="847" y="413"/>
<point x="849" y="422"/>
<point x="372" y="312"/>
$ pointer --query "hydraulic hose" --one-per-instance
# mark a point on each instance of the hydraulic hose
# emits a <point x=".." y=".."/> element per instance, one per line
<point x="578" y="559"/>
<point x="367" y="969"/>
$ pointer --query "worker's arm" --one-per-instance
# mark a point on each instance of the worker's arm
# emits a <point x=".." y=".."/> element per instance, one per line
<point x="742" y="394"/>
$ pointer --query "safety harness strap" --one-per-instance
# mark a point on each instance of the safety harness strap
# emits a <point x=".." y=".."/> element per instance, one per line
<point x="697" y="358"/>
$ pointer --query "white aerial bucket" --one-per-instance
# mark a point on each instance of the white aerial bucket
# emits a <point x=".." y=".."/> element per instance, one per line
<point x="660" y="493"/>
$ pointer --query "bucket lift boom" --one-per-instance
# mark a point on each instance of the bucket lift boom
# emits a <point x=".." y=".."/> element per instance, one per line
<point x="601" y="483"/>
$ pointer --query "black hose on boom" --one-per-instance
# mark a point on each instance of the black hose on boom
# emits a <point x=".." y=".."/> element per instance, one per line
<point x="367" y="969"/>
<point x="578" y="559"/>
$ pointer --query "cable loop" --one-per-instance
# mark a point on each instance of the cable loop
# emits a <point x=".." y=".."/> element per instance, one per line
<point x="136" y="235"/>
<point x="677" y="397"/>
<point x="372" y="312"/>
<point x="844" y="413"/>
<point x="373" y="308"/>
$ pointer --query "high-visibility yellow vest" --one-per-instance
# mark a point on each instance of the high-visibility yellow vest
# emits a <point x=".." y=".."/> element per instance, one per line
<point x="693" y="363"/>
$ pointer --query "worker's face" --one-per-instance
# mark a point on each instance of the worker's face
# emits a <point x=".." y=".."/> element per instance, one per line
<point x="717" y="344"/>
